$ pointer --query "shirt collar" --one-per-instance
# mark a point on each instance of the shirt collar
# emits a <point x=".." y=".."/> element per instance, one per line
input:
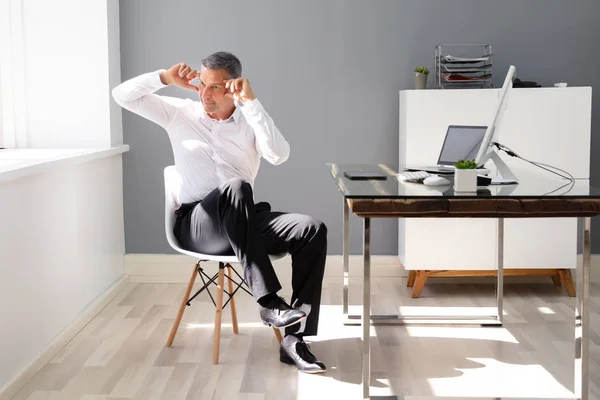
<point x="236" y="116"/>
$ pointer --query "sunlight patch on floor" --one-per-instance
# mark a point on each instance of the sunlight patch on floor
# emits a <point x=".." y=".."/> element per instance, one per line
<point x="496" y="334"/>
<point x="319" y="386"/>
<point x="211" y="325"/>
<point x="546" y="310"/>
<point x="498" y="379"/>
<point x="429" y="311"/>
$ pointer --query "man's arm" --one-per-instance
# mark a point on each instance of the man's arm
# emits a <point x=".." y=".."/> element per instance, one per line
<point x="137" y="94"/>
<point x="270" y="143"/>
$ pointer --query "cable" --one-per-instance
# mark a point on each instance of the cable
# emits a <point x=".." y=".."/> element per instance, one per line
<point x="537" y="164"/>
<point x="543" y="166"/>
<point x="570" y="184"/>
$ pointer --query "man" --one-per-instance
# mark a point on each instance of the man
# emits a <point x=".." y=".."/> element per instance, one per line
<point x="217" y="145"/>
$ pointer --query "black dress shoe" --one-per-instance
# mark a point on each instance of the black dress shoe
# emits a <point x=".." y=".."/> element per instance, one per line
<point x="299" y="353"/>
<point x="279" y="314"/>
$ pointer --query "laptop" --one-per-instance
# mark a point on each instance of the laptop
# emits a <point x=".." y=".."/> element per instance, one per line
<point x="462" y="142"/>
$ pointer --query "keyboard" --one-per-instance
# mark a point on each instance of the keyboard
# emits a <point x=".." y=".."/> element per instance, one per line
<point x="412" y="176"/>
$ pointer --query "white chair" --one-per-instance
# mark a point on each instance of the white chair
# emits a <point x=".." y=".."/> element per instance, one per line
<point x="172" y="185"/>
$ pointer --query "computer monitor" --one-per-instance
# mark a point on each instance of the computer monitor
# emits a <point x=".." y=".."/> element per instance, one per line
<point x="487" y="144"/>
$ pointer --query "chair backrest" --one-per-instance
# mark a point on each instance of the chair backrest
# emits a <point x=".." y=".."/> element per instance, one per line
<point x="172" y="187"/>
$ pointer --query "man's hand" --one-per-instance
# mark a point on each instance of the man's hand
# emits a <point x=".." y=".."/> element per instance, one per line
<point x="239" y="89"/>
<point x="180" y="75"/>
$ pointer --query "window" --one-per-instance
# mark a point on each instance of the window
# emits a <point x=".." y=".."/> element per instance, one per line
<point x="42" y="38"/>
<point x="4" y="52"/>
<point x="11" y="75"/>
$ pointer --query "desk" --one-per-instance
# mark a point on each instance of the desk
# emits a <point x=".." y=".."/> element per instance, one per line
<point x="534" y="197"/>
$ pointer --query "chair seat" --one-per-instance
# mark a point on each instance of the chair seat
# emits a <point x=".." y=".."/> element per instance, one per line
<point x="223" y="259"/>
<point x="217" y="258"/>
<point x="208" y="257"/>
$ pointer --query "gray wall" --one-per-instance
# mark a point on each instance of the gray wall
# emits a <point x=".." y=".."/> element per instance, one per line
<point x="329" y="73"/>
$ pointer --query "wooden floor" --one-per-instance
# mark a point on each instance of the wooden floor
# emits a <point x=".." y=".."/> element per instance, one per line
<point x="120" y="354"/>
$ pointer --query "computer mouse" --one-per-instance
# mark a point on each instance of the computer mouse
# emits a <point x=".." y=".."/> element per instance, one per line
<point x="435" y="181"/>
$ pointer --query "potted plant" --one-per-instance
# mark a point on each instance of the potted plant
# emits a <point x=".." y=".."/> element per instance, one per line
<point x="465" y="176"/>
<point x="421" y="73"/>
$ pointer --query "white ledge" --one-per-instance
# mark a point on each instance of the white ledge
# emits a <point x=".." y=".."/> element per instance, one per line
<point x="19" y="163"/>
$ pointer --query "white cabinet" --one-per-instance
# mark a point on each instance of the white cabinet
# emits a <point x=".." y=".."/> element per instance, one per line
<point x="549" y="125"/>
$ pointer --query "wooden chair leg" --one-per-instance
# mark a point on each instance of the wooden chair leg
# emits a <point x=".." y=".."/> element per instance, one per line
<point x="567" y="280"/>
<point x="419" y="283"/>
<point x="234" y="320"/>
<point x="412" y="275"/>
<point x="183" y="305"/>
<point x="278" y="335"/>
<point x="218" y="313"/>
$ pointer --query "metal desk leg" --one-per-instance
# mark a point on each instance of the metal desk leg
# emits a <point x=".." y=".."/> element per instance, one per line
<point x="345" y="252"/>
<point x="491" y="320"/>
<point x="500" y="266"/>
<point x="366" y="314"/>
<point x="582" y="334"/>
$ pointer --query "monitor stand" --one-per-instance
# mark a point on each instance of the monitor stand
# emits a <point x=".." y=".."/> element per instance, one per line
<point x="507" y="177"/>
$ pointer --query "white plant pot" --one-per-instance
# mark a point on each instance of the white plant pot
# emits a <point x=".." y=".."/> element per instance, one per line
<point x="465" y="180"/>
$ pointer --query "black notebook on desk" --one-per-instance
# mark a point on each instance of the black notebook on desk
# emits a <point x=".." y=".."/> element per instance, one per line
<point x="365" y="175"/>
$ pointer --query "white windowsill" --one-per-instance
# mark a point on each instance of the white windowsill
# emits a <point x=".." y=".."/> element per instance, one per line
<point x="19" y="163"/>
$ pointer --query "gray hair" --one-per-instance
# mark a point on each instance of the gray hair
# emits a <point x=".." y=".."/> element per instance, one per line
<point x="226" y="61"/>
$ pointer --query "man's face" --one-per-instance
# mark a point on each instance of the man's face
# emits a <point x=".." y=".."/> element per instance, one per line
<point x="212" y="90"/>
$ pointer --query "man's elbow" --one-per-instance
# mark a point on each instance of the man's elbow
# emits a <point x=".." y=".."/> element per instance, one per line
<point x="278" y="159"/>
<point x="115" y="95"/>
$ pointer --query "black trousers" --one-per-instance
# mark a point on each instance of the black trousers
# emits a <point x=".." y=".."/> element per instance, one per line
<point x="228" y="222"/>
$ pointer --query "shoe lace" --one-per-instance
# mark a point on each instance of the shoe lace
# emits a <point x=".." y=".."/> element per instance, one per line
<point x="279" y="304"/>
<point x="303" y="350"/>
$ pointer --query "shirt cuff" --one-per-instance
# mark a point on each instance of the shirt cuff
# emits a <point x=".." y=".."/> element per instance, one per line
<point x="252" y="107"/>
<point x="155" y="81"/>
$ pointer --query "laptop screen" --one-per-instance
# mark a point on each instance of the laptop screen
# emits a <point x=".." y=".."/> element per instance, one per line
<point x="461" y="143"/>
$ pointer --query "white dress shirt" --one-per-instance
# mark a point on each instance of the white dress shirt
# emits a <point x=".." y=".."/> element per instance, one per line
<point x="207" y="152"/>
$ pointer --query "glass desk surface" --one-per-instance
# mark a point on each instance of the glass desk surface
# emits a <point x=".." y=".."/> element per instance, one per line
<point x="541" y="185"/>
